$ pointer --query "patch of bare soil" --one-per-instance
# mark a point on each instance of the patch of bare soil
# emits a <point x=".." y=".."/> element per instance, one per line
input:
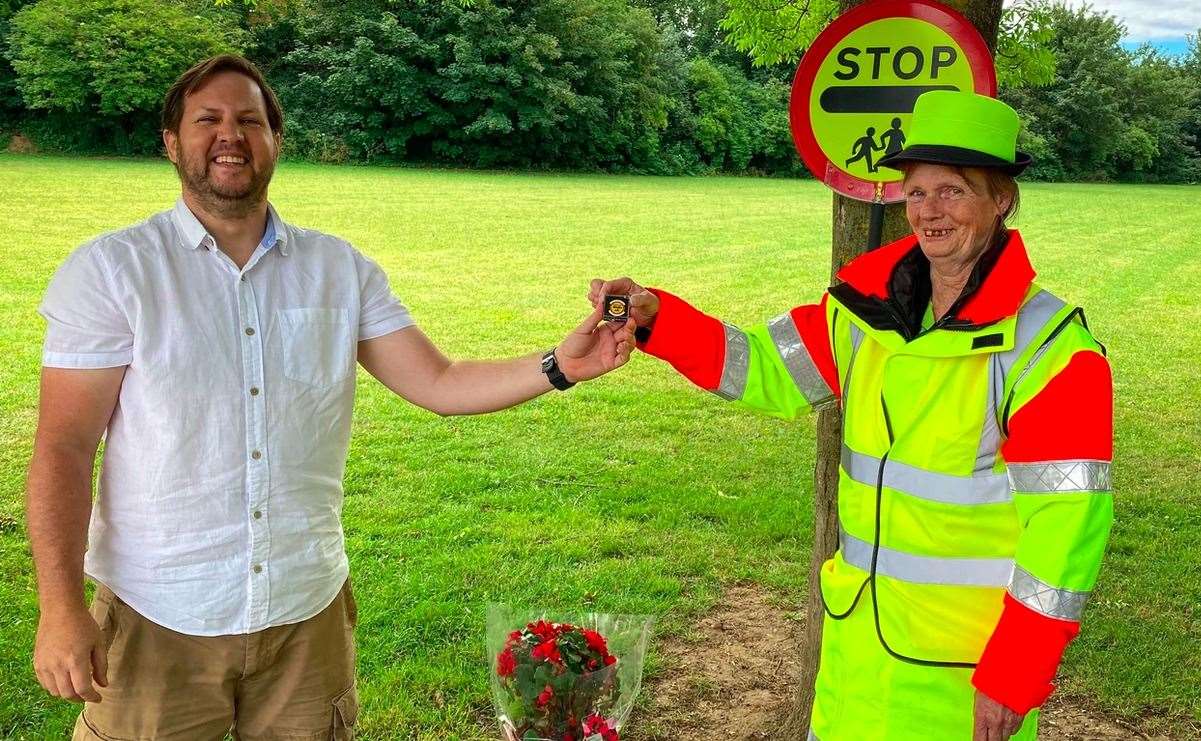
<point x="731" y="677"/>
<point x="1068" y="720"/>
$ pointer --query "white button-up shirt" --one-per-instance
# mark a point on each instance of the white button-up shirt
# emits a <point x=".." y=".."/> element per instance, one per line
<point x="220" y="494"/>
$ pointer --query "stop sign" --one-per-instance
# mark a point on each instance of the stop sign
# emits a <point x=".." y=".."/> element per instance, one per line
<point x="854" y="90"/>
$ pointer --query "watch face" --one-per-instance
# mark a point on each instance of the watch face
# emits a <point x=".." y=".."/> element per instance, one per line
<point x="548" y="362"/>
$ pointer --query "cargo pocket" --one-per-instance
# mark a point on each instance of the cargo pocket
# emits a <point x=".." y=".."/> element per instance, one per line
<point x="102" y="613"/>
<point x="346" y="714"/>
<point x="842" y="588"/>
<point x="352" y="607"/>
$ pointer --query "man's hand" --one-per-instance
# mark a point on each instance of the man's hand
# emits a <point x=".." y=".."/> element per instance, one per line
<point x="595" y="347"/>
<point x="644" y="305"/>
<point x="994" y="721"/>
<point x="69" y="655"/>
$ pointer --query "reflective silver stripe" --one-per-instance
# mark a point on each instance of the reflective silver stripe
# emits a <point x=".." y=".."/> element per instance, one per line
<point x="1060" y="476"/>
<point x="1032" y="317"/>
<point x="990" y="433"/>
<point x="734" y="371"/>
<point x="813" y="736"/>
<point x="970" y="572"/>
<point x="857" y="336"/>
<point x="796" y="358"/>
<point x="1042" y="597"/>
<point x="986" y="488"/>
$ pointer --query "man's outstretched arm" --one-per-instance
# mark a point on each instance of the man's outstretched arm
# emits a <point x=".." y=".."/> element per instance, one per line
<point x="409" y="364"/>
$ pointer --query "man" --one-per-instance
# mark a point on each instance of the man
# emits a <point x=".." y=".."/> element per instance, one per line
<point x="215" y="344"/>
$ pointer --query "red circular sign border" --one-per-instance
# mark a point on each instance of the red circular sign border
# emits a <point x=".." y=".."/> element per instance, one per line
<point x="948" y="19"/>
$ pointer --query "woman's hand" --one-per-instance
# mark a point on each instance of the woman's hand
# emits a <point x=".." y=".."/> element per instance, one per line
<point x="994" y="721"/>
<point x="644" y="305"/>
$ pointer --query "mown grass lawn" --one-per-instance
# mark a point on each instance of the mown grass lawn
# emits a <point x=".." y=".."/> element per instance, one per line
<point x="635" y="493"/>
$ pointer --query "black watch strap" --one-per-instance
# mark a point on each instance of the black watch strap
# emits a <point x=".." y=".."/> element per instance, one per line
<point x="550" y="366"/>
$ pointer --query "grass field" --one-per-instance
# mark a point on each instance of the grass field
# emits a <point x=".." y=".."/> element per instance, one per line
<point x="635" y="493"/>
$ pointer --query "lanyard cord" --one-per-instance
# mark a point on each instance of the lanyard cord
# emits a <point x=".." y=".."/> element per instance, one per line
<point x="871" y="575"/>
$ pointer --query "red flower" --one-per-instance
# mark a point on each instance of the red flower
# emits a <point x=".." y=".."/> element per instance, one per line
<point x="610" y="659"/>
<point x="545" y="696"/>
<point x="544" y="630"/>
<point x="595" y="724"/>
<point x="548" y="651"/>
<point x="505" y="663"/>
<point x="596" y="641"/>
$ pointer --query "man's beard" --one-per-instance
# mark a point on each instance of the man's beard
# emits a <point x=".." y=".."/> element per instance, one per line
<point x="220" y="198"/>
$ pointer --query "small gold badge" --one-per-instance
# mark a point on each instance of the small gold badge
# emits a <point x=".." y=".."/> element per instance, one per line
<point x="617" y="308"/>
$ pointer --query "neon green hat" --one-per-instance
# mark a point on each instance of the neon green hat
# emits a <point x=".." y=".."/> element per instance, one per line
<point x="964" y="130"/>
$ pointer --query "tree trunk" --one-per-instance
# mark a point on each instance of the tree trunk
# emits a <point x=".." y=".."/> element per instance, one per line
<point x="850" y="239"/>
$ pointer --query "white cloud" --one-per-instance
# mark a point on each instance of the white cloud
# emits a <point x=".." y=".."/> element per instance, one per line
<point x="1155" y="20"/>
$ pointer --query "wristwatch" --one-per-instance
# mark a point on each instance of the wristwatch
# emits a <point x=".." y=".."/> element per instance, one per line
<point x="550" y="366"/>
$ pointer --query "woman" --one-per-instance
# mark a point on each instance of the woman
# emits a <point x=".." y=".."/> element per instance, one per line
<point x="974" y="497"/>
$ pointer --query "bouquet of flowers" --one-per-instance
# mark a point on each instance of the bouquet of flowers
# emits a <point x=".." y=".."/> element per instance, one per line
<point x="565" y="681"/>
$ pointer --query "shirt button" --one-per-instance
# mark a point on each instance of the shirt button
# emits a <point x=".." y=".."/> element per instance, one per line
<point x="254" y="390"/>
<point x="250" y="330"/>
<point x="256" y="455"/>
<point x="258" y="515"/>
<point x="258" y="569"/>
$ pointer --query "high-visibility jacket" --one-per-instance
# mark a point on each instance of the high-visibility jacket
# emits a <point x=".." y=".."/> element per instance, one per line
<point x="974" y="488"/>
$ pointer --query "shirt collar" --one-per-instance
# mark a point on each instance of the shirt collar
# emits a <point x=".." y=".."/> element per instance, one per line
<point x="193" y="235"/>
<point x="892" y="283"/>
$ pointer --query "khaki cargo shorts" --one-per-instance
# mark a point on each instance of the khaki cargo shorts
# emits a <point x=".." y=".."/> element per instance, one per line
<point x="292" y="682"/>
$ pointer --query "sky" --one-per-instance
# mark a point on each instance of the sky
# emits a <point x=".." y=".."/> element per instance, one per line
<point x="1165" y="23"/>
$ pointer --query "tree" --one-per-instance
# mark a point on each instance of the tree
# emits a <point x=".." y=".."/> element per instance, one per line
<point x="560" y="83"/>
<point x="608" y="55"/>
<point x="778" y="31"/>
<point x="355" y="80"/>
<point x="1107" y="113"/>
<point x="108" y="61"/>
<point x="699" y="24"/>
<point x="11" y="104"/>
<point x="722" y="122"/>
<point x="1023" y="52"/>
<point x="1191" y="69"/>
<point x="732" y="122"/>
<point x="1159" y="141"/>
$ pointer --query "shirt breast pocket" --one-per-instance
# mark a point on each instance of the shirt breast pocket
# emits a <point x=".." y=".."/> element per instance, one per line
<point x="318" y="345"/>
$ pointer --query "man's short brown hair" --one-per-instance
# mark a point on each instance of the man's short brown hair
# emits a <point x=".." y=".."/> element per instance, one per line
<point x="191" y="80"/>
